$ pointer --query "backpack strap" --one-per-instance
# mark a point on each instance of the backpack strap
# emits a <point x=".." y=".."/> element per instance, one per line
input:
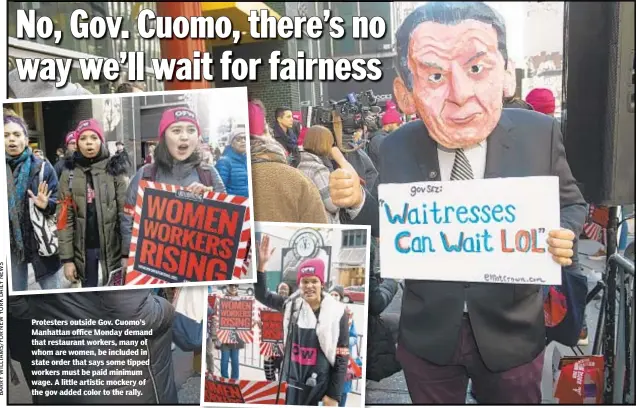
<point x="205" y="176"/>
<point x="42" y="167"/>
<point x="150" y="172"/>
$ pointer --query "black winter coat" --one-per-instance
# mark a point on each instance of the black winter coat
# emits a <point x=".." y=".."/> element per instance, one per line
<point x="128" y="306"/>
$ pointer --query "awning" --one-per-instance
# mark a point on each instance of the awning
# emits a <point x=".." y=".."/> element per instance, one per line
<point x="352" y="257"/>
<point x="238" y="12"/>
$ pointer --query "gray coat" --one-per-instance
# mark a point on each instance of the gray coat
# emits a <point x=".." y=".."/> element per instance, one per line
<point x="180" y="175"/>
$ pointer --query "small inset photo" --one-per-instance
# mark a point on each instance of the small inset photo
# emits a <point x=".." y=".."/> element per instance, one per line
<point x="297" y="336"/>
<point x="115" y="191"/>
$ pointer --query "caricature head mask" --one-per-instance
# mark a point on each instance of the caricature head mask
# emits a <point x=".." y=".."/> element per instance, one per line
<point x="452" y="64"/>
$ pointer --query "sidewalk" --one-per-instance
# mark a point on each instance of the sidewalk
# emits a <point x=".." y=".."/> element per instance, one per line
<point x="393" y="390"/>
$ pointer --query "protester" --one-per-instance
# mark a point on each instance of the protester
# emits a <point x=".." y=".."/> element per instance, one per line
<point x="125" y="158"/>
<point x="391" y="120"/>
<point x="283" y="130"/>
<point x="310" y="380"/>
<point x="232" y="166"/>
<point x="150" y="153"/>
<point x="493" y="334"/>
<point x="281" y="192"/>
<point x="91" y="195"/>
<point x="230" y="351"/>
<point x="177" y="162"/>
<point x="317" y="148"/>
<point x="542" y="100"/>
<point x="272" y="364"/>
<point x="24" y="172"/>
<point x="337" y="292"/>
<point x="212" y="338"/>
<point x="123" y="306"/>
<point x="71" y="147"/>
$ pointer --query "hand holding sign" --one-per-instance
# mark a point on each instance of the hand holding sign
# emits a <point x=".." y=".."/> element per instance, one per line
<point x="198" y="188"/>
<point x="560" y="245"/>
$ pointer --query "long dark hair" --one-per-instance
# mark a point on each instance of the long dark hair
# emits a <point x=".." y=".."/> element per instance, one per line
<point x="165" y="161"/>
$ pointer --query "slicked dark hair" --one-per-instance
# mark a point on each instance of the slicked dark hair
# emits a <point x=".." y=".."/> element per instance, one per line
<point x="448" y="13"/>
<point x="279" y="112"/>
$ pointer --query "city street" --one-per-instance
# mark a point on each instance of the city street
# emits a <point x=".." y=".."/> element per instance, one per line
<point x="393" y="390"/>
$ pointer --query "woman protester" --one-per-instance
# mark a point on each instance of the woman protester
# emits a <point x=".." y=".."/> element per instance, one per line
<point x="91" y="199"/>
<point x="230" y="351"/>
<point x="272" y="364"/>
<point x="337" y="292"/>
<point x="232" y="166"/>
<point x="177" y="161"/>
<point x="28" y="179"/>
<point x="313" y="322"/>
<point x="316" y="152"/>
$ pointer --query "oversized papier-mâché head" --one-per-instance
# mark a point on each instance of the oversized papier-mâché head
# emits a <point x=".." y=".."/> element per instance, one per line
<point x="452" y="63"/>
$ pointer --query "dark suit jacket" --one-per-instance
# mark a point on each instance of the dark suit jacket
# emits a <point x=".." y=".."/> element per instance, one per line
<point x="507" y="319"/>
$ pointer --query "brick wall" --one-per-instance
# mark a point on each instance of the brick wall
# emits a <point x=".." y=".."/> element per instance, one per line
<point x="273" y="94"/>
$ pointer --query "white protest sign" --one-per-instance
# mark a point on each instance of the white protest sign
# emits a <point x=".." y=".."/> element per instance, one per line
<point x="491" y="230"/>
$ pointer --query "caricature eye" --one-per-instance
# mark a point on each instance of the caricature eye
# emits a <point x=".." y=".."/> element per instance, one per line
<point x="436" y="78"/>
<point x="476" y="69"/>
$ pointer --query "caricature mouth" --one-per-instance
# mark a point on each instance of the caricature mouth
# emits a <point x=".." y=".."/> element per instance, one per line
<point x="464" y="119"/>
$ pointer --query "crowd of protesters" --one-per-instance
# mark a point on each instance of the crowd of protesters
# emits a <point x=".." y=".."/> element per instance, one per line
<point x="90" y="194"/>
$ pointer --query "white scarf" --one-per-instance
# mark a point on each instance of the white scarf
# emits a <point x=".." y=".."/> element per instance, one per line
<point x="327" y="325"/>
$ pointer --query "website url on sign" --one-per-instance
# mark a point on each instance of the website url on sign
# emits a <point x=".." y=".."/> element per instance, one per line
<point x="497" y="278"/>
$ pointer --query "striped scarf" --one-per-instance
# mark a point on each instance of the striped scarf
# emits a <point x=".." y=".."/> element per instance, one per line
<point x="18" y="171"/>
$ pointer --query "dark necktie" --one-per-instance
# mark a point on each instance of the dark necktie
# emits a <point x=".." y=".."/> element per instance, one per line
<point x="461" y="167"/>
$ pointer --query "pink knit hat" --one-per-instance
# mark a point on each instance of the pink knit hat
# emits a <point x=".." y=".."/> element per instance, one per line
<point x="174" y="115"/>
<point x="89" y="124"/>
<point x="391" y="116"/>
<point x="542" y="100"/>
<point x="311" y="267"/>
<point x="256" y="119"/>
<point x="70" y="137"/>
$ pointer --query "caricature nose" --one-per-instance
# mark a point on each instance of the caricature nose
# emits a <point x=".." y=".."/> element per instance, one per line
<point x="461" y="86"/>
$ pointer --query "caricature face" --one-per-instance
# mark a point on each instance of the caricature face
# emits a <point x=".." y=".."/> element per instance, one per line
<point x="458" y="81"/>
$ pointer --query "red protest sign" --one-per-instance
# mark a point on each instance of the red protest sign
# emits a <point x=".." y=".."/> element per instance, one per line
<point x="251" y="392"/>
<point x="220" y="391"/>
<point x="179" y="236"/>
<point x="272" y="333"/>
<point x="235" y="320"/>
<point x="581" y="380"/>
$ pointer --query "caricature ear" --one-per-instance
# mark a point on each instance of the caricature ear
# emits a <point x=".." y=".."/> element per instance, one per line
<point x="510" y="80"/>
<point x="403" y="96"/>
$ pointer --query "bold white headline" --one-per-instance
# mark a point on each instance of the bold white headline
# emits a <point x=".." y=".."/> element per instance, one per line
<point x="201" y="66"/>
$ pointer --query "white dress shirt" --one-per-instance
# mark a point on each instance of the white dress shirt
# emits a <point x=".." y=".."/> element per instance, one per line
<point x="476" y="156"/>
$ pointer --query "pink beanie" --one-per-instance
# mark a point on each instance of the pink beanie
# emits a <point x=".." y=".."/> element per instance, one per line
<point x="256" y="119"/>
<point x="391" y="116"/>
<point x="89" y="124"/>
<point x="70" y="137"/>
<point x="542" y="100"/>
<point x="311" y="267"/>
<point x="174" y="115"/>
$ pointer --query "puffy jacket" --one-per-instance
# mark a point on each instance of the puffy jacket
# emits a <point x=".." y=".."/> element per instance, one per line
<point x="110" y="183"/>
<point x="135" y="305"/>
<point x="232" y="168"/>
